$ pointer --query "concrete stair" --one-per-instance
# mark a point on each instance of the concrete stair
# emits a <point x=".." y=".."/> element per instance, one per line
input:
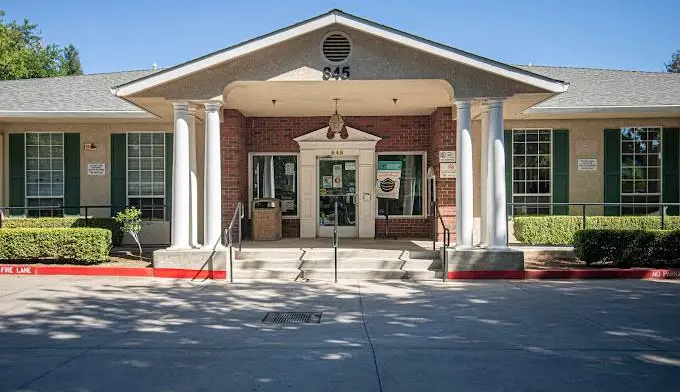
<point x="317" y="264"/>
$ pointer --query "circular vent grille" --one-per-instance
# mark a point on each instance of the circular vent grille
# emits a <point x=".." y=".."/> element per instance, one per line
<point x="336" y="47"/>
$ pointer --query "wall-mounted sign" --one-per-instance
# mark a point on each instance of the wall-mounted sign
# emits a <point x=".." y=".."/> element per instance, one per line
<point x="96" y="169"/>
<point x="447" y="156"/>
<point x="447" y="170"/>
<point x="389" y="178"/>
<point x="586" y="164"/>
<point x="350" y="165"/>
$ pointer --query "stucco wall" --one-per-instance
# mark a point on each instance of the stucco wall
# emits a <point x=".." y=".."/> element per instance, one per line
<point x="96" y="190"/>
<point x="585" y="141"/>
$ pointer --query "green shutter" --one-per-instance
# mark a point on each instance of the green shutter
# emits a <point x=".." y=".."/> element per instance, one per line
<point x="118" y="172"/>
<point x="612" y="170"/>
<point x="560" y="171"/>
<point x="17" y="173"/>
<point x="72" y="173"/>
<point x="508" y="169"/>
<point x="168" y="175"/>
<point x="671" y="168"/>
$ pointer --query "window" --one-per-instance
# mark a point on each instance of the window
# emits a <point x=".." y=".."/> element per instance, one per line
<point x="275" y="176"/>
<point x="411" y="192"/>
<point x="531" y="171"/>
<point x="640" y="169"/>
<point x="44" y="173"/>
<point x="146" y="173"/>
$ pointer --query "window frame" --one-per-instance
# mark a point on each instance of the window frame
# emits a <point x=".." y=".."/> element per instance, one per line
<point x="165" y="174"/>
<point x="423" y="172"/>
<point x="297" y="181"/>
<point x="660" y="167"/>
<point x="512" y="169"/>
<point x="63" y="173"/>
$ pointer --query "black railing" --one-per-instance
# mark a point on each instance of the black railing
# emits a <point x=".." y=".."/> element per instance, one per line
<point x="335" y="243"/>
<point x="228" y="237"/>
<point x="608" y="209"/>
<point x="436" y="220"/>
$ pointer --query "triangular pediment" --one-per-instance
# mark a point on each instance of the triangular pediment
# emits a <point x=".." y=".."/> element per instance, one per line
<point x="321" y="135"/>
<point x="240" y="62"/>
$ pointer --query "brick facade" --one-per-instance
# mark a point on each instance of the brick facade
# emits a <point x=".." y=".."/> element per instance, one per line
<point x="241" y="135"/>
<point x="443" y="137"/>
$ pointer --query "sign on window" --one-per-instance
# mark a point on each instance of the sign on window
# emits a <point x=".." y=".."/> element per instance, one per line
<point x="389" y="175"/>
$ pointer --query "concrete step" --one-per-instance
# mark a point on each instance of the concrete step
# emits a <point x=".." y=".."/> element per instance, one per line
<point x="328" y="253"/>
<point x="286" y="274"/>
<point x="348" y="264"/>
<point x="328" y="275"/>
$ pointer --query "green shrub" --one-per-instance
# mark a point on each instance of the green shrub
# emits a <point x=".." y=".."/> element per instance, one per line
<point x="560" y="230"/>
<point x="80" y="245"/>
<point x="629" y="248"/>
<point x="69" y="221"/>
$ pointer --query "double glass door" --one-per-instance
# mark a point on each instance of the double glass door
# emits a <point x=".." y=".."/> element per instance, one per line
<point x="338" y="184"/>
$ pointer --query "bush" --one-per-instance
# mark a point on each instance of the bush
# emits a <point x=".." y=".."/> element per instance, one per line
<point x="80" y="245"/>
<point x="629" y="248"/>
<point x="102" y="223"/>
<point x="560" y="230"/>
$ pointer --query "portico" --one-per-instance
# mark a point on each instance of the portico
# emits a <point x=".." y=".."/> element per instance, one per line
<point x="265" y="132"/>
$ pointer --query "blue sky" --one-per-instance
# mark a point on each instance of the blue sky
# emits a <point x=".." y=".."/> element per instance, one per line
<point x="123" y="34"/>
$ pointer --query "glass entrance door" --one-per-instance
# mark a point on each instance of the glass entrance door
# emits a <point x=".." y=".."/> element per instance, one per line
<point x="338" y="183"/>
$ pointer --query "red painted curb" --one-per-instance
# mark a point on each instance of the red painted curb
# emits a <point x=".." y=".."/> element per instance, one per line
<point x="174" y="273"/>
<point x="605" y="273"/>
<point x="81" y="270"/>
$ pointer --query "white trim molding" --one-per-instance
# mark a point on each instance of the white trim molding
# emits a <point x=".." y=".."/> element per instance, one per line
<point x="339" y="18"/>
<point x="31" y="114"/>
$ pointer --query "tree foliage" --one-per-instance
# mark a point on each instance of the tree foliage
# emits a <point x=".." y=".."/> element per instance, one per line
<point x="23" y="54"/>
<point x="674" y="65"/>
<point x="130" y="221"/>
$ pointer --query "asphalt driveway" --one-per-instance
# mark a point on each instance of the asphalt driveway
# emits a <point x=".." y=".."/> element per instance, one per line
<point x="115" y="334"/>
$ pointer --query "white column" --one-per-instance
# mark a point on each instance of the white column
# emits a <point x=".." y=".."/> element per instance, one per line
<point x="484" y="179"/>
<point x="193" y="180"/>
<point x="464" y="190"/>
<point x="497" y="208"/>
<point x="212" y="204"/>
<point x="180" y="179"/>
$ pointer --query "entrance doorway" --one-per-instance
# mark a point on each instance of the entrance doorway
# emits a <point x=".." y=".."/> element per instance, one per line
<point x="337" y="183"/>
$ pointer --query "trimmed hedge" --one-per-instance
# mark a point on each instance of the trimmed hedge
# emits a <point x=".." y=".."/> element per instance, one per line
<point x="74" y="221"/>
<point x="80" y="245"/>
<point x="560" y="230"/>
<point x="629" y="248"/>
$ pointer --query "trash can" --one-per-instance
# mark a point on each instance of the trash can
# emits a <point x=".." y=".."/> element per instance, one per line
<point x="266" y="220"/>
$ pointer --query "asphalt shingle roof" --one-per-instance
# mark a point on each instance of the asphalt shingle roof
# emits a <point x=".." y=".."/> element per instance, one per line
<point x="604" y="87"/>
<point x="68" y="93"/>
<point x="588" y="88"/>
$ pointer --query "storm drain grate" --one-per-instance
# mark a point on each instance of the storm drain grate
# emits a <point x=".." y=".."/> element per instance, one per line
<point x="292" y="318"/>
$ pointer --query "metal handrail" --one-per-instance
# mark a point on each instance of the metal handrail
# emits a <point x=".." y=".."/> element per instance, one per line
<point x="229" y="241"/>
<point x="335" y="243"/>
<point x="447" y="237"/>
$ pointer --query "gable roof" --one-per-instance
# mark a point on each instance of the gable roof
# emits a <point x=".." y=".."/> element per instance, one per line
<point x="337" y="17"/>
<point x="69" y="96"/>
<point x="608" y="90"/>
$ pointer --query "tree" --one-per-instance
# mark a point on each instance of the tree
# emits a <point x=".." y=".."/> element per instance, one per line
<point x="130" y="221"/>
<point x="23" y="54"/>
<point x="674" y="65"/>
<point x="70" y="62"/>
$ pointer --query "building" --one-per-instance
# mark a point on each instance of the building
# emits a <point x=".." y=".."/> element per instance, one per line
<point x="187" y="143"/>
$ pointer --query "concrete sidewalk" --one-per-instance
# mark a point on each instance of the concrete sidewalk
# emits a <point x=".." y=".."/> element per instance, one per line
<point x="103" y="334"/>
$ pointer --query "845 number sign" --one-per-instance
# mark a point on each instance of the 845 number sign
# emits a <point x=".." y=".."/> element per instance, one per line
<point x="338" y="73"/>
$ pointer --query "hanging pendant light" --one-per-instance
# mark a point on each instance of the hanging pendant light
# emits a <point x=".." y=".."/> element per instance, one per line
<point x="336" y="124"/>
